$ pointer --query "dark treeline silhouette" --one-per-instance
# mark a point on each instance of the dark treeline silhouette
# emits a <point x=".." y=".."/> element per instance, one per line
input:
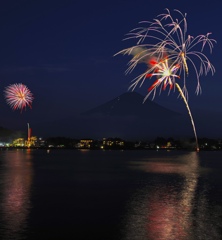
<point x="118" y="143"/>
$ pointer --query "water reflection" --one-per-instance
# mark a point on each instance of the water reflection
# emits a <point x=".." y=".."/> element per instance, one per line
<point x="16" y="179"/>
<point x="169" y="206"/>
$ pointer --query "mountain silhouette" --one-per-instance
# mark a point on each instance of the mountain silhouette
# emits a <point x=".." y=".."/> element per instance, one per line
<point x="126" y="117"/>
<point x="131" y="104"/>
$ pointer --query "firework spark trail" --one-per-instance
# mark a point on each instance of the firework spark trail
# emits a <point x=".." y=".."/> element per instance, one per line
<point x="167" y="74"/>
<point x="18" y="96"/>
<point x="190" y="114"/>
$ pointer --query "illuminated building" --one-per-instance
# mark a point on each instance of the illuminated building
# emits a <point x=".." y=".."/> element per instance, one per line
<point x="84" y="143"/>
<point x="113" y="142"/>
<point x="19" y="142"/>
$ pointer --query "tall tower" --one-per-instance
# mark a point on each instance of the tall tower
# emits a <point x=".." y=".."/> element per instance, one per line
<point x="29" y="136"/>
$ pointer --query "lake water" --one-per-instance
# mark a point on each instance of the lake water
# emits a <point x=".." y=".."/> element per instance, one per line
<point x="110" y="195"/>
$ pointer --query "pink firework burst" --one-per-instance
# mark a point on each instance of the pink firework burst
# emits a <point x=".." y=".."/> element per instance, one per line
<point x="18" y="96"/>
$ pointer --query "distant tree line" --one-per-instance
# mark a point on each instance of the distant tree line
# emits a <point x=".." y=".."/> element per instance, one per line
<point x="159" y="142"/>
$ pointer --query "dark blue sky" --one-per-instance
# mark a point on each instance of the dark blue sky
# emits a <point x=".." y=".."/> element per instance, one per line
<point x="63" y="51"/>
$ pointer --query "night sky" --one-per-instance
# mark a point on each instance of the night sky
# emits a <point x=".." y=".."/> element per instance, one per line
<point x="63" y="51"/>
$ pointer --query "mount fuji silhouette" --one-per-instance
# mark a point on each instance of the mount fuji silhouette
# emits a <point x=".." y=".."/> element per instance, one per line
<point x="131" y="104"/>
<point x="126" y="117"/>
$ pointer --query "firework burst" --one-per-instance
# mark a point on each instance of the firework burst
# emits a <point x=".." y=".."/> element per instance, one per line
<point x="165" y="74"/>
<point x="18" y="96"/>
<point x="168" y="36"/>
